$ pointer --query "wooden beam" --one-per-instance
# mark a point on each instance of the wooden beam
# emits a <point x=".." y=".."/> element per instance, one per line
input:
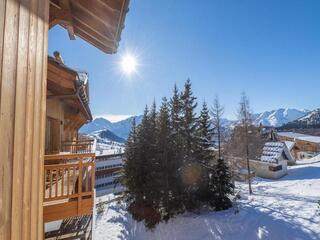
<point x="65" y="5"/>
<point x="62" y="15"/>
<point x="23" y="69"/>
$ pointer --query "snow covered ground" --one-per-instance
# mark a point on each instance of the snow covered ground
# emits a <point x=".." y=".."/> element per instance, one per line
<point x="284" y="209"/>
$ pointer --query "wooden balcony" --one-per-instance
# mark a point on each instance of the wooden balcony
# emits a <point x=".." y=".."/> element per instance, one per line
<point x="68" y="185"/>
<point x="80" y="146"/>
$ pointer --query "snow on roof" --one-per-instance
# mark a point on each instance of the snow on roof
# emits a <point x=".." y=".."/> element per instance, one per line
<point x="289" y="144"/>
<point x="312" y="139"/>
<point x="299" y="136"/>
<point x="291" y="134"/>
<point x="272" y="152"/>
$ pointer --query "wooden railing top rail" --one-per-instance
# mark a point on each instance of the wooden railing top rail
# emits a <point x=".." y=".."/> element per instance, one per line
<point x="69" y="156"/>
<point x="78" y="141"/>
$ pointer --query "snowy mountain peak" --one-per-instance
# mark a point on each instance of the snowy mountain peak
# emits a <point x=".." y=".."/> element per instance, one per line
<point x="312" y="118"/>
<point x="121" y="128"/>
<point x="279" y="117"/>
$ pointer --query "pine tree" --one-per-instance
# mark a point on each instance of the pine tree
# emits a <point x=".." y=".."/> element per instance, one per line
<point x="140" y="199"/>
<point x="175" y="109"/>
<point x="204" y="154"/>
<point x="204" y="133"/>
<point x="128" y="179"/>
<point x="221" y="186"/>
<point x="189" y="122"/>
<point x="165" y="154"/>
<point x="154" y="171"/>
<point x="191" y="170"/>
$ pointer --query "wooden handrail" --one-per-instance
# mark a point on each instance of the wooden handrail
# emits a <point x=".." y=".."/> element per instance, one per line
<point x="78" y="141"/>
<point x="69" y="156"/>
<point x="69" y="180"/>
<point x="78" y="146"/>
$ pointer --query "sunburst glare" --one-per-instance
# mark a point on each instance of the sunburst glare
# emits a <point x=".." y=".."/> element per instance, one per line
<point x="128" y="64"/>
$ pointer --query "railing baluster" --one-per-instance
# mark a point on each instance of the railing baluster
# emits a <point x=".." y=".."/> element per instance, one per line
<point x="50" y="186"/>
<point x="68" y="181"/>
<point x="57" y="181"/>
<point x="93" y="168"/>
<point x="44" y="185"/>
<point x="87" y="178"/>
<point x="62" y="182"/>
<point x="80" y="186"/>
<point x="74" y="179"/>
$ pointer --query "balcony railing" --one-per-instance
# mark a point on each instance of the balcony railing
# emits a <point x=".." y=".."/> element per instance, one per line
<point x="79" y="146"/>
<point x="68" y="185"/>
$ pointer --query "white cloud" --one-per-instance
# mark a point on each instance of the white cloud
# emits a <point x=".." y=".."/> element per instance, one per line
<point x="114" y="117"/>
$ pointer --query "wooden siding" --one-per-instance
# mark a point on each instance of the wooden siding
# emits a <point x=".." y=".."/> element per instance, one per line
<point x="23" y="64"/>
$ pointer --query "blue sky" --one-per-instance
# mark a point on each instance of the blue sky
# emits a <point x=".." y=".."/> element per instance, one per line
<point x="268" y="48"/>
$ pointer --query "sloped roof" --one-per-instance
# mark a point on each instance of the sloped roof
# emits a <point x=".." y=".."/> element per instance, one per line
<point x="289" y="144"/>
<point x="98" y="22"/>
<point x="299" y="136"/>
<point x="272" y="152"/>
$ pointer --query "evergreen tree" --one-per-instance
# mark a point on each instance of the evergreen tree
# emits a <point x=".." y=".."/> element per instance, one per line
<point x="128" y="179"/>
<point x="204" y="153"/>
<point x="153" y="176"/>
<point x="175" y="108"/>
<point x="221" y="186"/>
<point x="204" y="133"/>
<point x="165" y="154"/>
<point x="191" y="170"/>
<point x="189" y="122"/>
<point x="168" y="166"/>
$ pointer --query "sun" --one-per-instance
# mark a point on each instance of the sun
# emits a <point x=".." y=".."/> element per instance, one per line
<point x="129" y="64"/>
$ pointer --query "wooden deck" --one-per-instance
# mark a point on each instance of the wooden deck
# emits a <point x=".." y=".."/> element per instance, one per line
<point x="68" y="186"/>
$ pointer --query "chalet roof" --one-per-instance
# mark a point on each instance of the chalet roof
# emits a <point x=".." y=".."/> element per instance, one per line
<point x="272" y="152"/>
<point x="291" y="134"/>
<point x="98" y="22"/>
<point x="299" y="136"/>
<point x="289" y="144"/>
<point x="68" y="84"/>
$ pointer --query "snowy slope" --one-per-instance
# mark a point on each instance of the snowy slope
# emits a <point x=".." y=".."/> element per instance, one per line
<point x="278" y="117"/>
<point x="96" y="125"/>
<point x="285" y="209"/>
<point x="121" y="128"/>
<point x="312" y="118"/>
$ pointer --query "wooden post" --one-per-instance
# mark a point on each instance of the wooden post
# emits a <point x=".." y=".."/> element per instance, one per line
<point x="23" y="70"/>
<point x="80" y="186"/>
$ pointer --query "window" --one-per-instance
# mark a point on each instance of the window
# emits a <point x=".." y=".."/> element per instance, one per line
<point x="104" y="184"/>
<point x="275" y="168"/>
<point x="107" y="175"/>
<point x="109" y="166"/>
<point x="53" y="133"/>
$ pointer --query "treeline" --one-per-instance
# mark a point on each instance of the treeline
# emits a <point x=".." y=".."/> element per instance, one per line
<point x="169" y="166"/>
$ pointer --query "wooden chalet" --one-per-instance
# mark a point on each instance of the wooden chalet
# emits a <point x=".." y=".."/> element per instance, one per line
<point x="46" y="168"/>
<point x="303" y="146"/>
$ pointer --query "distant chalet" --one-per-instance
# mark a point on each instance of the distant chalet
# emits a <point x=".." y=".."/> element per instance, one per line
<point x="302" y="146"/>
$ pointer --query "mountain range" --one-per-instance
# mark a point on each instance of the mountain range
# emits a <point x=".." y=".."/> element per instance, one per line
<point x="117" y="131"/>
<point x="279" y="117"/>
<point x="120" y="129"/>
